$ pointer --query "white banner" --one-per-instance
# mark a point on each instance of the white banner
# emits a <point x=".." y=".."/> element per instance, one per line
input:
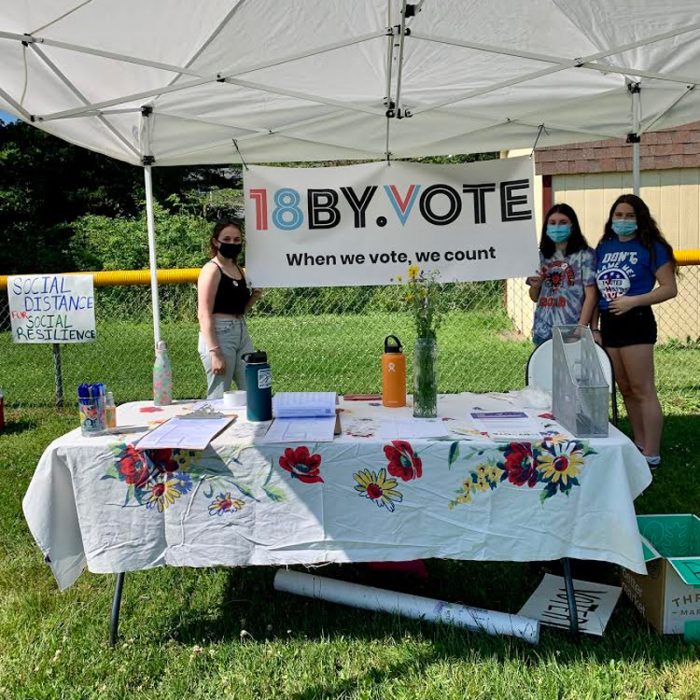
<point x="365" y="224"/>
<point x="51" y="308"/>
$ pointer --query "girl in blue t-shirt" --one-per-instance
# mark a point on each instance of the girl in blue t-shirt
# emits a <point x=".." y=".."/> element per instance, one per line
<point x="564" y="288"/>
<point x="635" y="268"/>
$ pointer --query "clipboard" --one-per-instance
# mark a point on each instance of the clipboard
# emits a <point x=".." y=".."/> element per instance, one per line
<point x="185" y="433"/>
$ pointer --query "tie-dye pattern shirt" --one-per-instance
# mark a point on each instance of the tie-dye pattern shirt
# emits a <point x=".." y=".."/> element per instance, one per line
<point x="562" y="292"/>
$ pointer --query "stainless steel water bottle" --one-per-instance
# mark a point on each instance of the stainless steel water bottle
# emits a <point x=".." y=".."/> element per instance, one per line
<point x="258" y="382"/>
<point x="393" y="373"/>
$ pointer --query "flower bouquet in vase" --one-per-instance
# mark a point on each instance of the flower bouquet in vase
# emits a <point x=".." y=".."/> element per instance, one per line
<point x="423" y="294"/>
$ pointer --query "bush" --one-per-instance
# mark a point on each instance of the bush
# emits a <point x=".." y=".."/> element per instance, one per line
<point x="106" y="243"/>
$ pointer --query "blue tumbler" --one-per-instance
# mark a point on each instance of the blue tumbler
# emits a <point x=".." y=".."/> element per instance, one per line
<point x="91" y="403"/>
<point x="258" y="382"/>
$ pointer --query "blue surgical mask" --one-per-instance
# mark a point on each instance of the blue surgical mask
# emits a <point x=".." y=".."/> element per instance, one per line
<point x="558" y="232"/>
<point x="624" y="227"/>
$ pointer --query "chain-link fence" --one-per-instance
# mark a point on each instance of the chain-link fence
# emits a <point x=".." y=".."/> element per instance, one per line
<point x="326" y="338"/>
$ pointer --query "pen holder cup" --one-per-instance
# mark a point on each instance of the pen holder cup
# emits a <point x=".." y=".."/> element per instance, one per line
<point x="93" y="419"/>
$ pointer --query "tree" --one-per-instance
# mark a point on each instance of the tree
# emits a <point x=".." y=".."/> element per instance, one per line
<point x="46" y="184"/>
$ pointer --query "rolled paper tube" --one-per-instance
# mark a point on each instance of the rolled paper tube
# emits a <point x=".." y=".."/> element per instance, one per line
<point x="417" y="607"/>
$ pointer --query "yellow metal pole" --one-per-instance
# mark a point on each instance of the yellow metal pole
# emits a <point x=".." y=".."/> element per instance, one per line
<point x="124" y="278"/>
<point x="190" y="275"/>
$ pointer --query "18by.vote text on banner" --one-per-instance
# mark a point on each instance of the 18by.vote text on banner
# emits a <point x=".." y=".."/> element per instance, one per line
<point x="365" y="224"/>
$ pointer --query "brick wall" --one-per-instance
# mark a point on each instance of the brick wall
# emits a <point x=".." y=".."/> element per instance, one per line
<point x="660" y="150"/>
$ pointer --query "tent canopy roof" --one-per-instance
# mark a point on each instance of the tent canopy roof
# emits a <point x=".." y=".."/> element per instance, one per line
<point x="305" y="80"/>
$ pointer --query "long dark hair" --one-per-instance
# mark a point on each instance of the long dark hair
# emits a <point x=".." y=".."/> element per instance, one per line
<point x="218" y="228"/>
<point x="648" y="231"/>
<point x="576" y="240"/>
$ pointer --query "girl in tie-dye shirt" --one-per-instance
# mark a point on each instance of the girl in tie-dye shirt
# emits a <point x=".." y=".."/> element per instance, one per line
<point x="564" y="288"/>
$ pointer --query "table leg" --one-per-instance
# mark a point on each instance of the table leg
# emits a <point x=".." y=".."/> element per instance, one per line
<point x="116" y="604"/>
<point x="569" y="584"/>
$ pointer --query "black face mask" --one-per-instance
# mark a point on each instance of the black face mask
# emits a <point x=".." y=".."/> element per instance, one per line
<point x="230" y="250"/>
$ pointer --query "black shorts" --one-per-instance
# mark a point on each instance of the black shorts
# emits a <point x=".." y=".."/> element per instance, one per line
<point x="636" y="327"/>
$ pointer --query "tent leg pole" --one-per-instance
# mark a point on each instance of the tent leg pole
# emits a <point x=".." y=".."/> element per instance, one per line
<point x="636" y="179"/>
<point x="152" y="253"/>
<point x="570" y="595"/>
<point x="116" y="604"/>
<point x="636" y="112"/>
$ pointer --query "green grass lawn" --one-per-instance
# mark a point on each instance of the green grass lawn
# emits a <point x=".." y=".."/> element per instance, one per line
<point x="477" y="351"/>
<point x="225" y="633"/>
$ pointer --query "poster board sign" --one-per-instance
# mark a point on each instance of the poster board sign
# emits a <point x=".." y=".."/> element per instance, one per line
<point x="595" y="603"/>
<point x="366" y="224"/>
<point x="51" y="308"/>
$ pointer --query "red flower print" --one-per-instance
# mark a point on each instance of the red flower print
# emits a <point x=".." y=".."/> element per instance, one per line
<point x="163" y="460"/>
<point x="402" y="460"/>
<point x="133" y="467"/>
<point x="301" y="464"/>
<point x="150" y="409"/>
<point x="520" y="464"/>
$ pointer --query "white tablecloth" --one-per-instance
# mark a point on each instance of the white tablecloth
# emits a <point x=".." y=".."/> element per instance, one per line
<point x="98" y="501"/>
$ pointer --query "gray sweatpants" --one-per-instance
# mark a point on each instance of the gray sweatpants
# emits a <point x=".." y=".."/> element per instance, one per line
<point x="233" y="339"/>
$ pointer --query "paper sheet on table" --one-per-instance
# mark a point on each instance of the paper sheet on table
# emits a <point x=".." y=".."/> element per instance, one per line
<point x="304" y="404"/>
<point x="301" y="430"/>
<point x="407" y="428"/>
<point x="184" y="433"/>
<point x="506" y="425"/>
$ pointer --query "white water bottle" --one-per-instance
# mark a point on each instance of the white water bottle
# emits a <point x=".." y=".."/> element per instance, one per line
<point x="162" y="377"/>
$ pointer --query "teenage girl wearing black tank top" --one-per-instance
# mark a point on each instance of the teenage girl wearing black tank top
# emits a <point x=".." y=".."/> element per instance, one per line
<point x="223" y="299"/>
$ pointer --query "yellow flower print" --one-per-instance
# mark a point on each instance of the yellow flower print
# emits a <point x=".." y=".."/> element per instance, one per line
<point x="559" y="464"/>
<point x="464" y="494"/>
<point x="225" y="503"/>
<point x="163" y="494"/>
<point x="413" y="272"/>
<point x="557" y="439"/>
<point x="378" y="488"/>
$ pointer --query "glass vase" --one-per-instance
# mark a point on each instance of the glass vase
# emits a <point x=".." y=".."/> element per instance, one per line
<point x="425" y="378"/>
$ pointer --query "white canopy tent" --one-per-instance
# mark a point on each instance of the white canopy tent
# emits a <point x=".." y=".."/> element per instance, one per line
<point x="170" y="82"/>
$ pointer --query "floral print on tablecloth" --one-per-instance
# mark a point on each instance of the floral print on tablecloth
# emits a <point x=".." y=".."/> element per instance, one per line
<point x="301" y="464"/>
<point x="156" y="479"/>
<point x="554" y="463"/>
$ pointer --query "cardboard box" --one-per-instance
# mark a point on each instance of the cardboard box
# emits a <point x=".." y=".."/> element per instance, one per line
<point x="669" y="595"/>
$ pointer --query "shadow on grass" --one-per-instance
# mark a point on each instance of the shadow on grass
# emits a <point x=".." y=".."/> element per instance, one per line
<point x="15" y="427"/>
<point x="252" y="612"/>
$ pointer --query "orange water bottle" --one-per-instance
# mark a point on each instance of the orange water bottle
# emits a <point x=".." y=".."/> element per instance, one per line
<point x="393" y="373"/>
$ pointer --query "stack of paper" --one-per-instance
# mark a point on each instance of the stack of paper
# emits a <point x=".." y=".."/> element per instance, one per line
<point x="506" y="425"/>
<point x="302" y="416"/>
<point x="304" y="404"/>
